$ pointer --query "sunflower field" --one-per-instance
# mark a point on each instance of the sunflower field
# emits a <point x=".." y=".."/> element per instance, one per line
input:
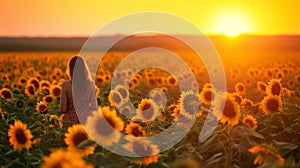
<point x="259" y="125"/>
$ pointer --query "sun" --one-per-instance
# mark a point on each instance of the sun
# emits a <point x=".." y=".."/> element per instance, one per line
<point x="231" y="24"/>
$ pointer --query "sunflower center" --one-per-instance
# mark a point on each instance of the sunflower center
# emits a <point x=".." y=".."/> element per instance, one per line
<point x="56" y="91"/>
<point x="58" y="165"/>
<point x="263" y="87"/>
<point x="123" y="93"/>
<point x="20" y="136"/>
<point x="241" y="88"/>
<point x="208" y="95"/>
<point x="136" y="132"/>
<point x="229" y="110"/>
<point x="147" y="111"/>
<point x="48" y="99"/>
<point x="105" y="126"/>
<point x="189" y="104"/>
<point x="117" y="99"/>
<point x="7" y="94"/>
<point x="42" y="108"/>
<point x="250" y="123"/>
<point x="238" y="99"/>
<point x="35" y="83"/>
<point x="142" y="149"/>
<point x="79" y="137"/>
<point x="172" y="81"/>
<point x="31" y="90"/>
<point x="272" y="105"/>
<point x="276" y="89"/>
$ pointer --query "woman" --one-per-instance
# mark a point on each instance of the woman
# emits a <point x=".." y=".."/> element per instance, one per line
<point x="78" y="94"/>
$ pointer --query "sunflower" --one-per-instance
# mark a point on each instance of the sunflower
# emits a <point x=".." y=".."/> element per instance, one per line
<point x="104" y="126"/>
<point x="45" y="83"/>
<point x="240" y="88"/>
<point x="55" y="120"/>
<point x="55" y="90"/>
<point x="147" y="110"/>
<point x="271" y="103"/>
<point x="247" y="102"/>
<point x="75" y="135"/>
<point x="265" y="155"/>
<point x="123" y="91"/>
<point x="279" y="75"/>
<point x="171" y="81"/>
<point x="297" y="79"/>
<point x="189" y="104"/>
<point x="261" y="86"/>
<point x="236" y="97"/>
<point x="48" y="99"/>
<point x="226" y="109"/>
<point x="41" y="107"/>
<point x="144" y="148"/>
<point x="268" y="73"/>
<point x="157" y="96"/>
<point x="206" y="96"/>
<point x="44" y="90"/>
<point x="22" y="81"/>
<point x="164" y="89"/>
<point x="30" y="91"/>
<point x="34" y="82"/>
<point x="290" y="84"/>
<point x="19" y="136"/>
<point x="274" y="87"/>
<point x="115" y="98"/>
<point x="64" y="159"/>
<point x="97" y="90"/>
<point x="134" y="129"/>
<point x="250" y="122"/>
<point x="6" y="94"/>
<point x="176" y="113"/>
<point x="207" y="85"/>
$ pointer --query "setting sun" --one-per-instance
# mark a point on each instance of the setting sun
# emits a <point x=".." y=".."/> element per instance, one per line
<point x="231" y="24"/>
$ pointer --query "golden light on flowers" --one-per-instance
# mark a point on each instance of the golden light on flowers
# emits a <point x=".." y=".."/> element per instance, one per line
<point x="45" y="83"/>
<point x="115" y="98"/>
<point x="297" y="79"/>
<point x="261" y="86"/>
<point x="134" y="129"/>
<point x="271" y="103"/>
<point x="265" y="155"/>
<point x="143" y="148"/>
<point x="250" y="122"/>
<point x="41" y="107"/>
<point x="75" y="135"/>
<point x="22" y="81"/>
<point x="147" y="110"/>
<point x="123" y="92"/>
<point x="55" y="90"/>
<point x="274" y="87"/>
<point x="189" y="104"/>
<point x="226" y="109"/>
<point x="19" y="136"/>
<point x="104" y="126"/>
<point x="240" y="88"/>
<point x="236" y="97"/>
<point x="6" y="93"/>
<point x="63" y="158"/>
<point x="206" y="96"/>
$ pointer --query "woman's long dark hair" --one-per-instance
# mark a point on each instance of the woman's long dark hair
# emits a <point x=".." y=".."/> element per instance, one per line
<point x="80" y="75"/>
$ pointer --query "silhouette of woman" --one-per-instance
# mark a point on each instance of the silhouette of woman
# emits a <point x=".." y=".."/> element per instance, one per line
<point x="78" y="94"/>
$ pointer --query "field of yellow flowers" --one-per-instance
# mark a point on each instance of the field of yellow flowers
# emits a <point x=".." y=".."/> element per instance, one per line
<point x="258" y="127"/>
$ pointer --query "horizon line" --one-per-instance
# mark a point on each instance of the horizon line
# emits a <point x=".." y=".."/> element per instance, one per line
<point x="119" y="34"/>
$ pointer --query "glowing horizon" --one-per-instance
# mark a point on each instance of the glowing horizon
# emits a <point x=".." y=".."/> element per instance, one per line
<point x="69" y="19"/>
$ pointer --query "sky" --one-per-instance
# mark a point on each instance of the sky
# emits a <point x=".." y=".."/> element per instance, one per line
<point x="82" y="18"/>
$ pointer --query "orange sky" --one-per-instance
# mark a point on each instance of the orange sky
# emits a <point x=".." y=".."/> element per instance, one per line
<point x="82" y="18"/>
